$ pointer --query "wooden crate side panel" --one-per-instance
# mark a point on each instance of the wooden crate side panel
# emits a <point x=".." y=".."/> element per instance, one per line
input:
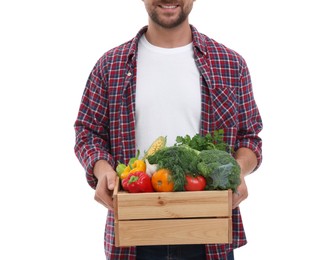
<point x="174" y="205"/>
<point x="115" y="198"/>
<point x="173" y="232"/>
<point x="116" y="234"/>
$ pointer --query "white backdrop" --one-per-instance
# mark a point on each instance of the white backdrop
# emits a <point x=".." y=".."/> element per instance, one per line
<point x="48" y="49"/>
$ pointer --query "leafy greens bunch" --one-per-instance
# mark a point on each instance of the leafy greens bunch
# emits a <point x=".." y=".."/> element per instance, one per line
<point x="210" y="141"/>
<point x="179" y="160"/>
<point x="220" y="169"/>
<point x="205" y="155"/>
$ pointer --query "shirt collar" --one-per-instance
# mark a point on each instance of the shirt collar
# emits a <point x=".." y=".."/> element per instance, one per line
<point x="199" y="42"/>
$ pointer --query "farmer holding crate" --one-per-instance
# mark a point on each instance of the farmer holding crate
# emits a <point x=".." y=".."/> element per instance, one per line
<point x="169" y="80"/>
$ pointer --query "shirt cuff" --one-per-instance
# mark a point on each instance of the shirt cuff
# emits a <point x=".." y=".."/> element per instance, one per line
<point x="91" y="160"/>
<point x="254" y="145"/>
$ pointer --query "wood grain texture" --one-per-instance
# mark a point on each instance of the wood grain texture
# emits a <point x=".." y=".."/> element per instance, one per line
<point x="160" y="205"/>
<point x="173" y="231"/>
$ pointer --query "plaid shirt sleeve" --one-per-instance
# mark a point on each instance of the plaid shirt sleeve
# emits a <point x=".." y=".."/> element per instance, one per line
<point x="92" y="125"/>
<point x="250" y="123"/>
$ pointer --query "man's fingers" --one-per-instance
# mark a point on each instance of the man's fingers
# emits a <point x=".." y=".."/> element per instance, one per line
<point x="104" y="199"/>
<point x="105" y="205"/>
<point x="103" y="195"/>
<point x="111" y="181"/>
<point x="237" y="198"/>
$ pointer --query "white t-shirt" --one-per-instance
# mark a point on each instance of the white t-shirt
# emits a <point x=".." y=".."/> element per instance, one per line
<point x="168" y="94"/>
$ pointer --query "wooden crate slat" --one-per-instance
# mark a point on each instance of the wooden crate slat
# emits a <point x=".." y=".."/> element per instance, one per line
<point x="174" y="205"/>
<point x="173" y="231"/>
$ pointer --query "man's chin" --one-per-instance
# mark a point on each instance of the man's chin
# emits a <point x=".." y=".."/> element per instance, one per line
<point x="169" y="22"/>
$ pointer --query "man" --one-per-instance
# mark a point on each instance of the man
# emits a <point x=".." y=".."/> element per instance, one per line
<point x="169" y="80"/>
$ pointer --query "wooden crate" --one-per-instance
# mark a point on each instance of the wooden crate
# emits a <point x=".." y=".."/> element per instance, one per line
<point x="171" y="218"/>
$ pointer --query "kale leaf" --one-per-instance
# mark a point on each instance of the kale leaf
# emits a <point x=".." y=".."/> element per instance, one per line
<point x="220" y="169"/>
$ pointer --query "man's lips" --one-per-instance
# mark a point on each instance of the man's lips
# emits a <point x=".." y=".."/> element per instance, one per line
<point x="168" y="6"/>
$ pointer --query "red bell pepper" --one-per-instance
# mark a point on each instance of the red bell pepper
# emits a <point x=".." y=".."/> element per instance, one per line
<point x="137" y="182"/>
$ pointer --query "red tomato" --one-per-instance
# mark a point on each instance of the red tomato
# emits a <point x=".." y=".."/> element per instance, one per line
<point x="195" y="183"/>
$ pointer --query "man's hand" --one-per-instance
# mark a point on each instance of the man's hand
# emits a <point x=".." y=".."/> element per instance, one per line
<point x="240" y="194"/>
<point x="247" y="161"/>
<point x="106" y="182"/>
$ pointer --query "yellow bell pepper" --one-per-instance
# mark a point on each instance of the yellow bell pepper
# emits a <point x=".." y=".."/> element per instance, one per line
<point x="125" y="172"/>
<point x="136" y="166"/>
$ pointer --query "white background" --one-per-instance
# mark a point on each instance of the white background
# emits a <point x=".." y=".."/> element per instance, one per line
<point x="48" y="49"/>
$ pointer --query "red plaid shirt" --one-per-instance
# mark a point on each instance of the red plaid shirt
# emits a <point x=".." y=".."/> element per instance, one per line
<point x="105" y="127"/>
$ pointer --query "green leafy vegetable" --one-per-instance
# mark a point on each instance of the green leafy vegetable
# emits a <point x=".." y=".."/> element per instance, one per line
<point x="207" y="155"/>
<point x="207" y="142"/>
<point x="220" y="169"/>
<point x="179" y="159"/>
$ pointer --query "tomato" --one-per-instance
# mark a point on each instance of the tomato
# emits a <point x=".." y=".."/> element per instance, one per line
<point x="195" y="183"/>
<point x="162" y="180"/>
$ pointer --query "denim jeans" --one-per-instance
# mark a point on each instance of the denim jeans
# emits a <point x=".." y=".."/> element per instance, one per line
<point x="173" y="252"/>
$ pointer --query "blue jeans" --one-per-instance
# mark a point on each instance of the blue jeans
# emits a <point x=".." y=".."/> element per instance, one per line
<point x="173" y="252"/>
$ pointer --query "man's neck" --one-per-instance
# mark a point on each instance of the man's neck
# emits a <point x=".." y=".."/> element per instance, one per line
<point x="169" y="38"/>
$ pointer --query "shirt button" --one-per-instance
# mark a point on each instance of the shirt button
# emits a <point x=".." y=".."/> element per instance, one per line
<point x="129" y="74"/>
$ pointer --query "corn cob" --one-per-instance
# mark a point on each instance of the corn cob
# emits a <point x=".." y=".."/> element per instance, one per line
<point x="157" y="145"/>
